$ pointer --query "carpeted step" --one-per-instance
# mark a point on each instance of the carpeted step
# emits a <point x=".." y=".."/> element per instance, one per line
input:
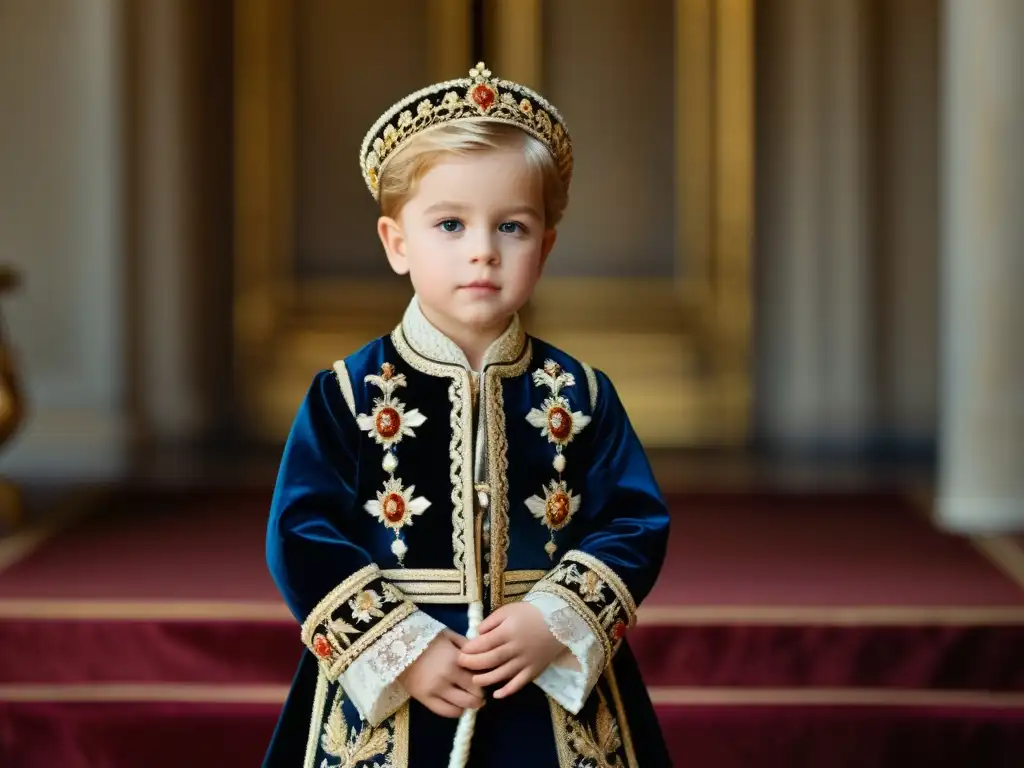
<point x="943" y="657"/>
<point x="780" y="735"/>
<point x="789" y="631"/>
<point x="784" y="591"/>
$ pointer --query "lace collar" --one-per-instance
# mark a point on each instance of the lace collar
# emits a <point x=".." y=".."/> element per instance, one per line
<point x="428" y="341"/>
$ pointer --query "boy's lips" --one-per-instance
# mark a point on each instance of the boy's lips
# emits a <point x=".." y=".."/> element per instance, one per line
<point x="482" y="285"/>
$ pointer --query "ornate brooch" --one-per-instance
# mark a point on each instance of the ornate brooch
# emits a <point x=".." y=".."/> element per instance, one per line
<point x="388" y="424"/>
<point x="559" y="424"/>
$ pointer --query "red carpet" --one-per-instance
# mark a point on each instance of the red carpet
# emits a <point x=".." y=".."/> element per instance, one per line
<point x="785" y="631"/>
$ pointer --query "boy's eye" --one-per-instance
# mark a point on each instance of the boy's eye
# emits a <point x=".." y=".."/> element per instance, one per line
<point x="450" y="225"/>
<point x="511" y="228"/>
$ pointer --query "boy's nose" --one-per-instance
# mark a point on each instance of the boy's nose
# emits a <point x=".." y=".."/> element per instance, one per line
<point x="485" y="252"/>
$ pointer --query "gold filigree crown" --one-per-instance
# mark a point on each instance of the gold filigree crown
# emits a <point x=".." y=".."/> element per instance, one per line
<point x="477" y="97"/>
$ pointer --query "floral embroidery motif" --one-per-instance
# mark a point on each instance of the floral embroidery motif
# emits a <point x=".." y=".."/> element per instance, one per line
<point x="555" y="509"/>
<point x="388" y="424"/>
<point x="352" y="617"/>
<point x="353" y="748"/>
<point x="555" y="418"/>
<point x="596" y="745"/>
<point x="342" y="629"/>
<point x="589" y="584"/>
<point x="395" y="507"/>
<point x="596" y="593"/>
<point x="559" y="424"/>
<point x="365" y="606"/>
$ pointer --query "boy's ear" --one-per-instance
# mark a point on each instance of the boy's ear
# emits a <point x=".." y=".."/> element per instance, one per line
<point x="547" y="243"/>
<point x="393" y="240"/>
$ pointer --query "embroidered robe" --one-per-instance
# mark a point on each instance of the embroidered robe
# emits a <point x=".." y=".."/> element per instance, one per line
<point x="410" y="485"/>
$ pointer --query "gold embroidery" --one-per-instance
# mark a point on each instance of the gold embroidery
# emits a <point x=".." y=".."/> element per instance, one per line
<point x="597" y="744"/>
<point x="366" y="606"/>
<point x="327" y="635"/>
<point x="561" y="733"/>
<point x="497" y="471"/>
<point x="345" y="384"/>
<point x="582" y="580"/>
<point x="517" y="577"/>
<point x="581" y="608"/>
<point x="602" y="739"/>
<point x="436" y="351"/>
<point x="559" y="424"/>
<point x="349" y="746"/>
<point x="319" y="705"/>
<point x="461" y="466"/>
<point x="517" y="590"/>
<point x="555" y="418"/>
<point x="429" y="351"/>
<point x="556" y="508"/>
<point x="589" y="584"/>
<point x="428" y="588"/>
<point x="430" y="585"/>
<point x="421" y="574"/>
<point x="591" y="385"/>
<point x="395" y="508"/>
<point x="388" y="423"/>
<point x="368" y="638"/>
<point x="620" y="713"/>
<point x="385" y="745"/>
<point x="461" y="469"/>
<point x="622" y="594"/>
<point x="400" y="738"/>
<point x="335" y="597"/>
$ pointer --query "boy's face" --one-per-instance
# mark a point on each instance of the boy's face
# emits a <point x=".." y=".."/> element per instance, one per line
<point x="472" y="240"/>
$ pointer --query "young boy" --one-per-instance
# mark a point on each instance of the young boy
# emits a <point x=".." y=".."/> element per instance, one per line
<point x="458" y="477"/>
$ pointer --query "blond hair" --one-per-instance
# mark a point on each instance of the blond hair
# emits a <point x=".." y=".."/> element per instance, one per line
<point x="411" y="163"/>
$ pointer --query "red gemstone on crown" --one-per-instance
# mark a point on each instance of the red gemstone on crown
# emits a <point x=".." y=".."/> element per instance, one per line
<point x="483" y="96"/>
<point x="619" y="630"/>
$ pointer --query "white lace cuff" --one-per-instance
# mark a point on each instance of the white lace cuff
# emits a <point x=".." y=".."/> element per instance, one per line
<point x="568" y="686"/>
<point x="371" y="680"/>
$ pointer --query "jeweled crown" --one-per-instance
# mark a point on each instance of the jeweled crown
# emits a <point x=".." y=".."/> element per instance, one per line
<point x="477" y="97"/>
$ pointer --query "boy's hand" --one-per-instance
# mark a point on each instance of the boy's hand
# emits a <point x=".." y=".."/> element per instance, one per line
<point x="514" y="643"/>
<point x="437" y="681"/>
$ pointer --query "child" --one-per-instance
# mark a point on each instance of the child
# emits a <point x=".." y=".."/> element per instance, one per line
<point x="460" y="479"/>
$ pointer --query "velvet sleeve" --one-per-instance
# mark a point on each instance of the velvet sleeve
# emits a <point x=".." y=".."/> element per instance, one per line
<point x="614" y="566"/>
<point x="346" y="608"/>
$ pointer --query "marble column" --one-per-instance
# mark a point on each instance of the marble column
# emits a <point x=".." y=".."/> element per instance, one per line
<point x="981" y="480"/>
<point x="61" y="193"/>
<point x="815" y="321"/>
<point x="179" y="209"/>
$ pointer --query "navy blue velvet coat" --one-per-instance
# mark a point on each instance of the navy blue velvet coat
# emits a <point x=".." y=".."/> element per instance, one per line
<point x="332" y="551"/>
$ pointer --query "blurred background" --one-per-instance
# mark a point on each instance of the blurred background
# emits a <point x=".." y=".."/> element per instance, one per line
<point x="768" y="245"/>
<point x="793" y="240"/>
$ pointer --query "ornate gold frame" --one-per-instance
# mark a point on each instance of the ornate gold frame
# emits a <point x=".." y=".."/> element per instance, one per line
<point x="679" y="351"/>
